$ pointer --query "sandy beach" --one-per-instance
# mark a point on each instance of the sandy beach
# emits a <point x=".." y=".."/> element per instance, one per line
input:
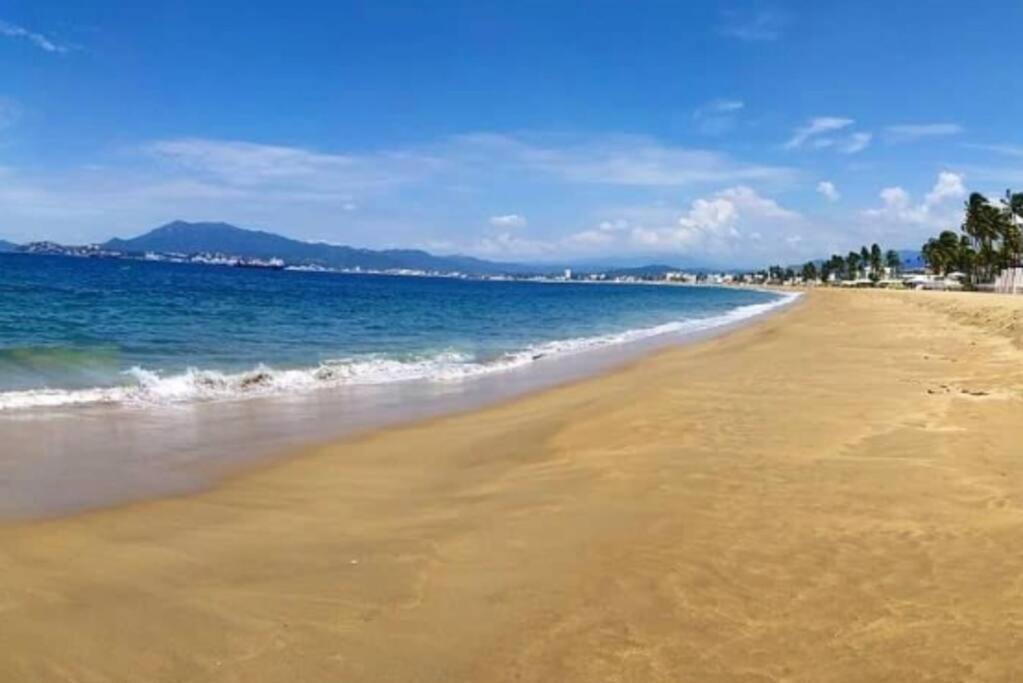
<point x="832" y="494"/>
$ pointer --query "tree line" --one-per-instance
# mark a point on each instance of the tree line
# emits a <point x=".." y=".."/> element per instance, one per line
<point x="867" y="263"/>
<point x="989" y="240"/>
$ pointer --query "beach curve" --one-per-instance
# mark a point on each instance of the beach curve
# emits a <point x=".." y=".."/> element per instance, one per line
<point x="829" y="494"/>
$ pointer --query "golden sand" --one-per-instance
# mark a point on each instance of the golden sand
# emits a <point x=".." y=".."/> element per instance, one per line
<point x="834" y="494"/>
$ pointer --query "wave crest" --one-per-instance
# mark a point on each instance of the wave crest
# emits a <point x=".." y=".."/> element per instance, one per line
<point x="151" y="388"/>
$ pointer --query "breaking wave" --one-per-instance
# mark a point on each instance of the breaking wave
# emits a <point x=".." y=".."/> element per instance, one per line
<point x="146" y="387"/>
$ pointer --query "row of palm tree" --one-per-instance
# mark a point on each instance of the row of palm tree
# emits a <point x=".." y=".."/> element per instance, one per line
<point x="867" y="263"/>
<point x="990" y="239"/>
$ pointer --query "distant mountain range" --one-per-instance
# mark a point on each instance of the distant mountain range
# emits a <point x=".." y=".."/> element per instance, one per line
<point x="192" y="238"/>
<point x="911" y="258"/>
<point x="181" y="237"/>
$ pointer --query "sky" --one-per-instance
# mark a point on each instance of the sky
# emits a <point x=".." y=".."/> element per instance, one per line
<point x="704" y="133"/>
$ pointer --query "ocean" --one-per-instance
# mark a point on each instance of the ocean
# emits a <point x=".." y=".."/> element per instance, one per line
<point x="93" y="331"/>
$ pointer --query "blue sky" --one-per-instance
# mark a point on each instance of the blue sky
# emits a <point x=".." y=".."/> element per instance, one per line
<point x="723" y="133"/>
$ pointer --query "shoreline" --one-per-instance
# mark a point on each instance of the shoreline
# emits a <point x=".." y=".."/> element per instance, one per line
<point x="829" y="494"/>
<point x="197" y="385"/>
<point x="90" y="457"/>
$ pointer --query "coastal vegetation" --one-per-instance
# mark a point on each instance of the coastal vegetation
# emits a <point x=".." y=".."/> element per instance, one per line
<point x="868" y="265"/>
<point x="989" y="240"/>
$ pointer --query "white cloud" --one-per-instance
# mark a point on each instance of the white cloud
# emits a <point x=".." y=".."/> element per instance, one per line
<point x="895" y="197"/>
<point x="714" y="216"/>
<point x="714" y="223"/>
<point x="935" y="210"/>
<point x="828" y="189"/>
<point x="910" y="132"/>
<point x="39" y="40"/>
<point x="757" y="26"/>
<point x="816" y="127"/>
<point x="710" y="226"/>
<point x="948" y="186"/>
<point x="511" y="220"/>
<point x="750" y="202"/>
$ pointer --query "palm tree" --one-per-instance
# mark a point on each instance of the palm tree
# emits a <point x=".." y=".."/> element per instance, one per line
<point x="1009" y="225"/>
<point x="929" y="253"/>
<point x="836" y="265"/>
<point x="1012" y="246"/>
<point x="809" y="272"/>
<point x="852" y="265"/>
<point x="982" y="224"/>
<point x="951" y="250"/>
<point x="966" y="258"/>
<point x="894" y="262"/>
<point x="933" y="257"/>
<point x="875" y="262"/>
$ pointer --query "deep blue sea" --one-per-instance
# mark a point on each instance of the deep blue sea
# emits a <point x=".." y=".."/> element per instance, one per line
<point x="80" y="331"/>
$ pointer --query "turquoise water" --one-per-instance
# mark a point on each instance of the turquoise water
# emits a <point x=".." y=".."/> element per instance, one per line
<point x="79" y="331"/>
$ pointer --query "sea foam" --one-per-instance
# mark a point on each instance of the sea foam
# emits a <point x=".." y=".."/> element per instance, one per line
<point x="146" y="387"/>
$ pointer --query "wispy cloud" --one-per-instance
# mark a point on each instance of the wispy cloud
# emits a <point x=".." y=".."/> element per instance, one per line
<point x="258" y="166"/>
<point x="39" y="40"/>
<point x="815" y="128"/>
<point x="623" y="160"/>
<point x="1004" y="150"/>
<point x="720" y="106"/>
<point x="627" y="160"/>
<point x="718" y="116"/>
<point x="510" y="220"/>
<point x="857" y="142"/>
<point x="822" y="133"/>
<point x="910" y="132"/>
<point x="754" y="26"/>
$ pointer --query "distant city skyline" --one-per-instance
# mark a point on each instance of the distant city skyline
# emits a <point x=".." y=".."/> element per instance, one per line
<point x="735" y="134"/>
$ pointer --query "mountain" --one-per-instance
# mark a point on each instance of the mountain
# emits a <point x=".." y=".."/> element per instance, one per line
<point x="911" y="258"/>
<point x="7" y="246"/>
<point x="191" y="238"/>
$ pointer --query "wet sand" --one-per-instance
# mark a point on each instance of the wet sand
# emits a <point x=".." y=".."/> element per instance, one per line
<point x="832" y="494"/>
